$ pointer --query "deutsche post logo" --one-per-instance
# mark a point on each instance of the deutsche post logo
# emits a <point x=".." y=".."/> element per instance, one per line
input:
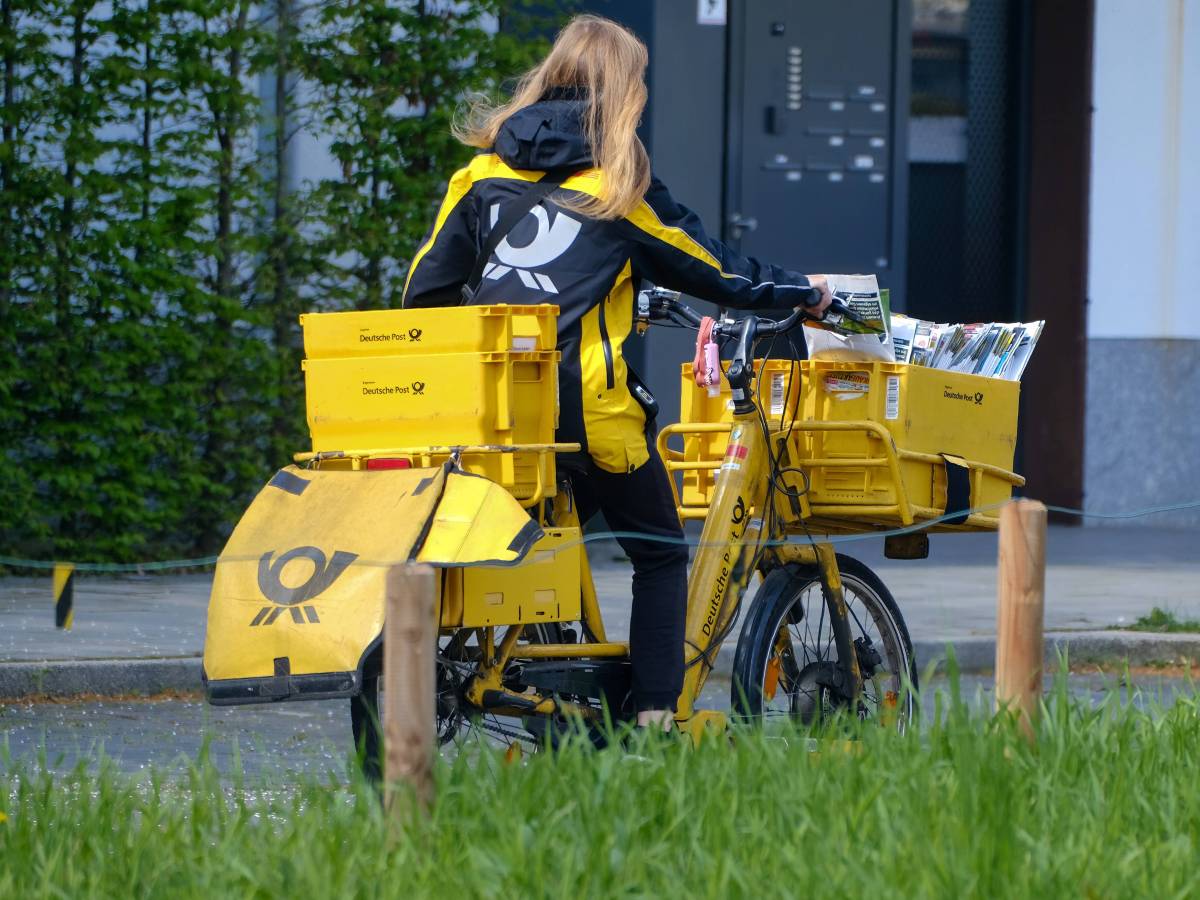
<point x="739" y="511"/>
<point x="551" y="241"/>
<point x="294" y="599"/>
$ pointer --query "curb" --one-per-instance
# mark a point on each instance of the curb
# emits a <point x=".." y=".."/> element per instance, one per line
<point x="1133" y="648"/>
<point x="146" y="677"/>
<point x="103" y="677"/>
<point x="978" y="654"/>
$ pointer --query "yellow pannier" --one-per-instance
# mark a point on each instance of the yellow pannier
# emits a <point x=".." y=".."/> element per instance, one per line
<point x="298" y="596"/>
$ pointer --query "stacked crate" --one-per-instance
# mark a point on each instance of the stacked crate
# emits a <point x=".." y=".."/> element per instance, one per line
<point x="415" y="383"/>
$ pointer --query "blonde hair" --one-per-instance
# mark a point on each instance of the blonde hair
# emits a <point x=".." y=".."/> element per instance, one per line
<point x="605" y="64"/>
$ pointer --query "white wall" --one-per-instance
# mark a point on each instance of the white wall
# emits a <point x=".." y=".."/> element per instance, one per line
<point x="1144" y="278"/>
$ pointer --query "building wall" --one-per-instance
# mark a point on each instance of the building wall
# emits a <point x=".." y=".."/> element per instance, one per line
<point x="1143" y="394"/>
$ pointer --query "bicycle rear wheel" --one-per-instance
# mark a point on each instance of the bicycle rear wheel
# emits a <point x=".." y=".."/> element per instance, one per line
<point x="457" y="657"/>
<point x="786" y="656"/>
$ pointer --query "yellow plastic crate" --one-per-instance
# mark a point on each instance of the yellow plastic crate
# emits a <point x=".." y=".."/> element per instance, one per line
<point x="453" y="329"/>
<point x="543" y="588"/>
<point x="443" y="400"/>
<point x="780" y="381"/>
<point x="928" y="413"/>
<point x="873" y="438"/>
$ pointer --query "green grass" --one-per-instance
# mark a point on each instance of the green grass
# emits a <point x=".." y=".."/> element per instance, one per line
<point x="1164" y="621"/>
<point x="1104" y="805"/>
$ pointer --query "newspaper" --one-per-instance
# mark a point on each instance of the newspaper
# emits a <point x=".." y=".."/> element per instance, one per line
<point x="993" y="349"/>
<point x="838" y="338"/>
<point x="904" y="332"/>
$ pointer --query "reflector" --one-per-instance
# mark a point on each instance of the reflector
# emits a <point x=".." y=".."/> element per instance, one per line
<point x="388" y="463"/>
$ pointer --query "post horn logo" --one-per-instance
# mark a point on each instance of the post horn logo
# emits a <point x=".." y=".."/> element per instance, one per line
<point x="739" y="511"/>
<point x="414" y="334"/>
<point x="418" y="388"/>
<point x="979" y="398"/>
<point x="294" y="599"/>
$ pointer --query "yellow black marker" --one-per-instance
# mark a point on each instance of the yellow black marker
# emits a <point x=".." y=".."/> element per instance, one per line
<point x="64" y="595"/>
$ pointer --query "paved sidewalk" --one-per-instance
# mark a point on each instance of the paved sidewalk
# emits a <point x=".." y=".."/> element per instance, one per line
<point x="1096" y="577"/>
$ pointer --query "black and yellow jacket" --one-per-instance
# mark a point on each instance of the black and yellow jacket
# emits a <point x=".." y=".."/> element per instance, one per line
<point x="589" y="268"/>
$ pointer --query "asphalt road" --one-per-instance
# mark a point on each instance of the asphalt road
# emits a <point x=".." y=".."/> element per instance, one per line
<point x="311" y="738"/>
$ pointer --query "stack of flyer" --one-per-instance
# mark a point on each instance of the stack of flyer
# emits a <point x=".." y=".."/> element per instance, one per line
<point x="994" y="349"/>
<point x="840" y="338"/>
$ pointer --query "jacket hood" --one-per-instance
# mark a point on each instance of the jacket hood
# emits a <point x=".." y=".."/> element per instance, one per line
<point x="545" y="135"/>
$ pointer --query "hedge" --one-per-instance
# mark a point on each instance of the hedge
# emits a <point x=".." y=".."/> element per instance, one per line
<point x="156" y="246"/>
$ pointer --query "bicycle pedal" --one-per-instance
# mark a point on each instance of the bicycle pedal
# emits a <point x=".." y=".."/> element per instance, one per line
<point x="703" y="723"/>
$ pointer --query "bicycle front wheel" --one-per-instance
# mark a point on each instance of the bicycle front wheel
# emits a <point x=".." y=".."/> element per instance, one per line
<point x="787" y="659"/>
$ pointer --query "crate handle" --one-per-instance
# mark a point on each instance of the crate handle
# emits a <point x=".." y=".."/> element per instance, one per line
<point x="539" y="490"/>
<point x="958" y="487"/>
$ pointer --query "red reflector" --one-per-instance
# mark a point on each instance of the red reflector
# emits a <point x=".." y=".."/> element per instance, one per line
<point x="389" y="464"/>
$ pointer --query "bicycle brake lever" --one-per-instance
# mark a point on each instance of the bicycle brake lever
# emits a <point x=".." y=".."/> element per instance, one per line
<point x="844" y="311"/>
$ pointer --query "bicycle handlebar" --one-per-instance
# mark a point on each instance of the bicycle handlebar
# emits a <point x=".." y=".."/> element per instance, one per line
<point x="659" y="304"/>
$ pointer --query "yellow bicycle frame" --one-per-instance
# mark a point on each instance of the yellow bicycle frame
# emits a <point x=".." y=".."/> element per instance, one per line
<point x="730" y="551"/>
<point x="733" y="544"/>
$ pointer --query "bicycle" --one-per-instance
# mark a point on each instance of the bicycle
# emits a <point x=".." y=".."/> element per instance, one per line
<point x="822" y="634"/>
<point x="840" y="447"/>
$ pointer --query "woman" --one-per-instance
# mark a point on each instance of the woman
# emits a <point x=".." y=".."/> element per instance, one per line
<point x="606" y="224"/>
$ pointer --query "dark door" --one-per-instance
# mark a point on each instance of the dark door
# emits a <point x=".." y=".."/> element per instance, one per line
<point x="964" y="185"/>
<point x="811" y="136"/>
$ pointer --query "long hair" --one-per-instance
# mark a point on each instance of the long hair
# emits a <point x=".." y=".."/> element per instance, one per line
<point x="605" y="64"/>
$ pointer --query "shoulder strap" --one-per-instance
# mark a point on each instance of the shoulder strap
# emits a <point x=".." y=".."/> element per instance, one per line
<point x="514" y="211"/>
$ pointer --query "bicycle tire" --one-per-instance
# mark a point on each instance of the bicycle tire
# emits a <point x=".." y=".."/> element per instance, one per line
<point x="781" y="590"/>
<point x="366" y="723"/>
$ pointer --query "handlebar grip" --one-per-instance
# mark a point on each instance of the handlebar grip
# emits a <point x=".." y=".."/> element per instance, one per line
<point x="811" y="297"/>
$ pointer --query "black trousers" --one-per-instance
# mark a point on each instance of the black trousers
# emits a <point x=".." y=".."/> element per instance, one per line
<point x="641" y="503"/>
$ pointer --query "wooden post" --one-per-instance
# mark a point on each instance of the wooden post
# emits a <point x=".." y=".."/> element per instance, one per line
<point x="1020" y="609"/>
<point x="409" y="692"/>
